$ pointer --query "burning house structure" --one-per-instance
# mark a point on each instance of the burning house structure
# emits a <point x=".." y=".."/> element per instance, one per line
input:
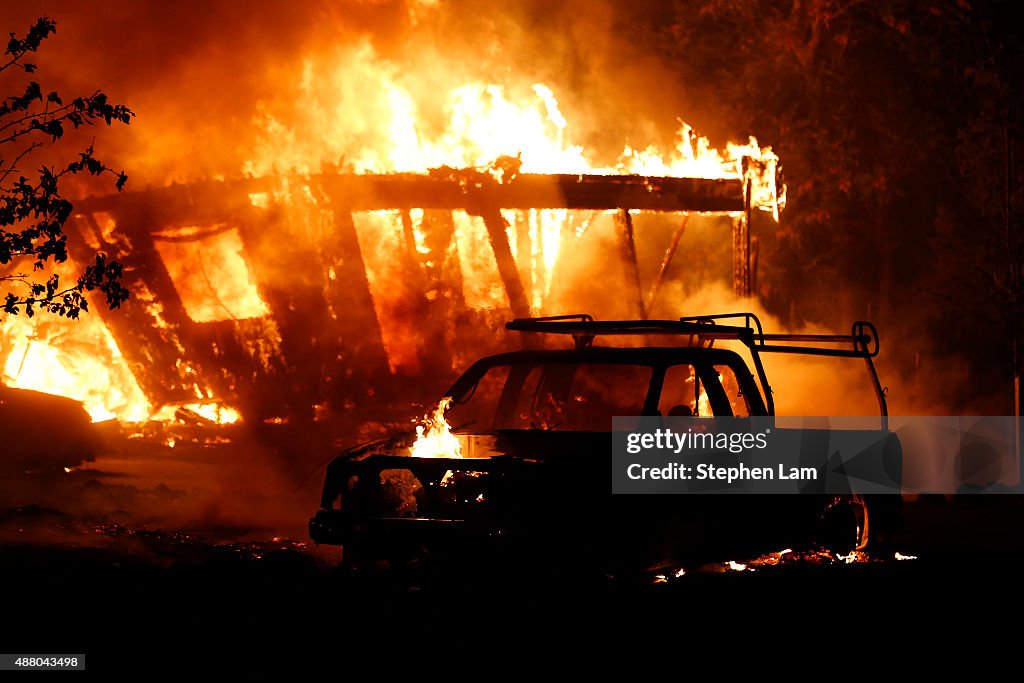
<point x="290" y="297"/>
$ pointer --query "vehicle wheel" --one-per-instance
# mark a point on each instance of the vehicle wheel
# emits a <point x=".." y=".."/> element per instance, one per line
<point x="844" y="524"/>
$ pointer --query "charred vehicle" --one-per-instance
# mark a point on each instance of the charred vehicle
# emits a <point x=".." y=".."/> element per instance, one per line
<point x="523" y="471"/>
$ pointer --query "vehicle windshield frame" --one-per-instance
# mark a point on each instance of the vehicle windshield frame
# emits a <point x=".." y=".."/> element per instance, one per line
<point x="659" y="359"/>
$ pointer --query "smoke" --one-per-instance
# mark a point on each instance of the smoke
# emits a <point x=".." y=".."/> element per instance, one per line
<point x="192" y="75"/>
<point x="804" y="385"/>
<point x="137" y="485"/>
<point x="590" y="277"/>
<point x="204" y="80"/>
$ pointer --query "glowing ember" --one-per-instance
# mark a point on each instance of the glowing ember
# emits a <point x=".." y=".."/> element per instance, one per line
<point x="737" y="566"/>
<point x="854" y="557"/>
<point x="213" y="412"/>
<point x="772" y="559"/>
<point x="434" y="438"/>
<point x="901" y="556"/>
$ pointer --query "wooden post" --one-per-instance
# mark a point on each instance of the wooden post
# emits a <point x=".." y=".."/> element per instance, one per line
<point x="524" y="253"/>
<point x="288" y="267"/>
<point x="441" y="264"/>
<point x="665" y="262"/>
<point x="415" y="284"/>
<point x="627" y="249"/>
<point x="150" y="349"/>
<point x="409" y="235"/>
<point x="349" y="296"/>
<point x="496" y="225"/>
<point x="442" y="291"/>
<point x="741" y="280"/>
<point x="755" y="252"/>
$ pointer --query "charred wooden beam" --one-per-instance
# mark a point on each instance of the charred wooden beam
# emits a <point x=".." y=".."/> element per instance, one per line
<point x="659" y="280"/>
<point x="203" y="366"/>
<point x="450" y="189"/>
<point x="741" y="272"/>
<point x="477" y="192"/>
<point x="290" y="279"/>
<point x="408" y="236"/>
<point x="348" y="293"/>
<point x="627" y="246"/>
<point x="740" y="256"/>
<point x="149" y="349"/>
<point x="496" y="226"/>
<point x="441" y="264"/>
<point x="153" y="343"/>
<point x="755" y="253"/>
<point x="524" y="254"/>
<point x="445" y="301"/>
<point x="416" y="286"/>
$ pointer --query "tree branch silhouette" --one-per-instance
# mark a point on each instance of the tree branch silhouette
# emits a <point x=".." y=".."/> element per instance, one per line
<point x="33" y="211"/>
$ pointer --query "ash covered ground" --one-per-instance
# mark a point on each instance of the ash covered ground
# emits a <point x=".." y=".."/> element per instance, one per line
<point x="158" y="553"/>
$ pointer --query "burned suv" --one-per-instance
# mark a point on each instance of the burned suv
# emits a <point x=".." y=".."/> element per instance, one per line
<point x="515" y="461"/>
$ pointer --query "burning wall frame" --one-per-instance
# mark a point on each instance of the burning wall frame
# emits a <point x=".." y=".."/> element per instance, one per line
<point x="316" y="347"/>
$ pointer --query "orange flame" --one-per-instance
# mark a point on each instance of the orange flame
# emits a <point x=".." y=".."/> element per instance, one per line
<point x="77" y="359"/>
<point x="210" y="273"/>
<point x="364" y="112"/>
<point x="434" y="438"/>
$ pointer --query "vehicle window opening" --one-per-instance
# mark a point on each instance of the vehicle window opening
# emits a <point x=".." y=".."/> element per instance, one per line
<point x="738" y="404"/>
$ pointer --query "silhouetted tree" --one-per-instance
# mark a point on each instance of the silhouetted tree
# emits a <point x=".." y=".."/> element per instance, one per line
<point x="32" y="209"/>
<point x="899" y="124"/>
<point x="979" y="278"/>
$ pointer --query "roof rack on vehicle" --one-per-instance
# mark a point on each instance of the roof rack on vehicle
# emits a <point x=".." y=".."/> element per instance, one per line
<point x="704" y="330"/>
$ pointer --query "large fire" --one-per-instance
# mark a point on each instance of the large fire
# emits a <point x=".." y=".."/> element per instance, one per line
<point x="360" y="113"/>
<point x="78" y="359"/>
<point x="365" y="114"/>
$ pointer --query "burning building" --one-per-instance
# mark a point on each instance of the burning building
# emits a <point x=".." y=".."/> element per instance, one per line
<point x="302" y="288"/>
<point x="274" y="297"/>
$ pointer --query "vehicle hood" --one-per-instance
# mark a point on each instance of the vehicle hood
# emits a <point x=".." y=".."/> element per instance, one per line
<point x="526" y="443"/>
